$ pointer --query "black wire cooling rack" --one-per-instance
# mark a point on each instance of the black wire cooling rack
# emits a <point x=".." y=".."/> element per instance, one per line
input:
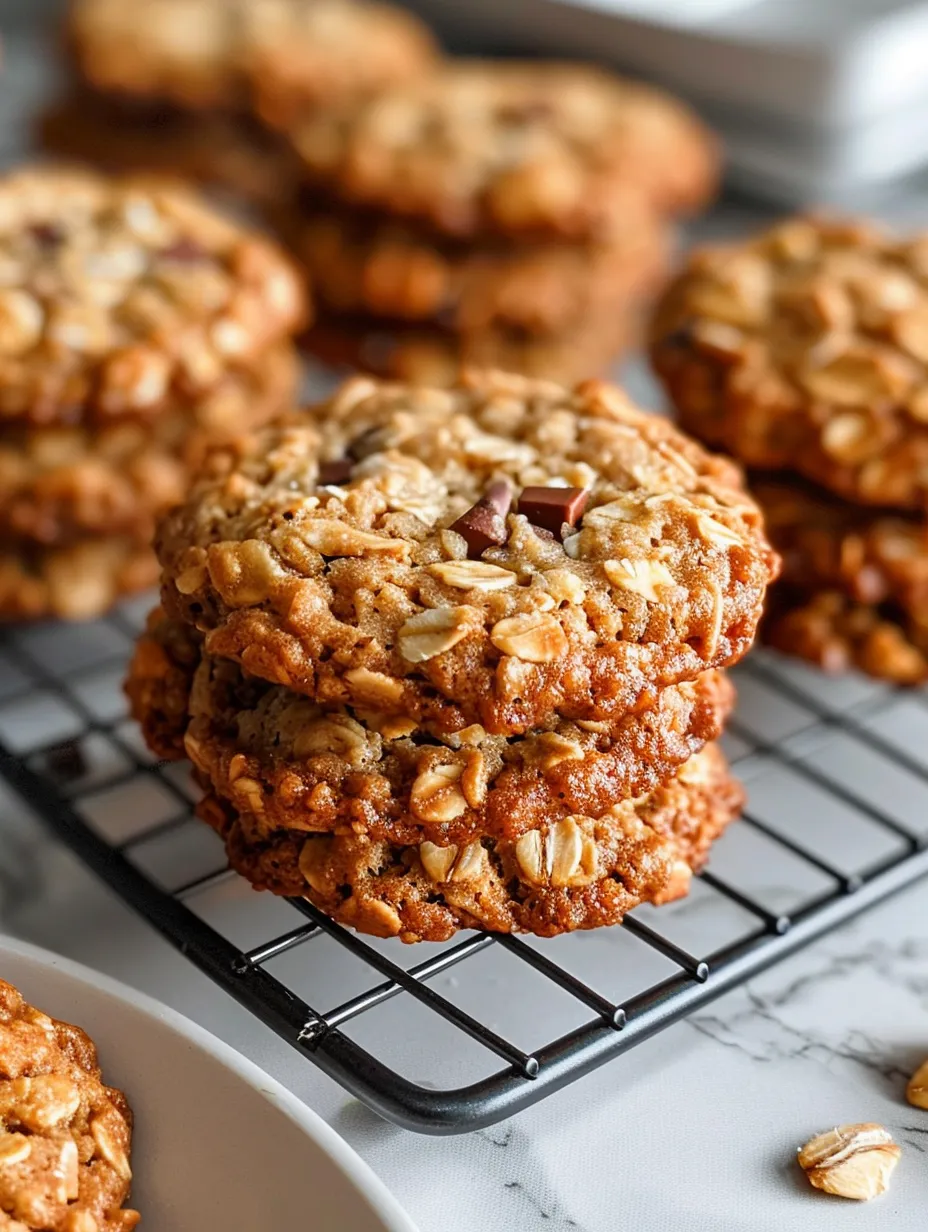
<point x="835" y="773"/>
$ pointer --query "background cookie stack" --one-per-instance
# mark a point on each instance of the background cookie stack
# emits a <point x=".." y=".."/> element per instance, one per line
<point x="504" y="214"/>
<point x="804" y="352"/>
<point x="451" y="658"/>
<point x="137" y="327"/>
<point x="199" y="87"/>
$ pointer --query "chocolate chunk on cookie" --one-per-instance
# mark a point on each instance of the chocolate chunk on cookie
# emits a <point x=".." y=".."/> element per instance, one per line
<point x="364" y="595"/>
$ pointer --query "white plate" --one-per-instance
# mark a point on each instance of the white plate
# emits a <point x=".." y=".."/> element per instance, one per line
<point x="218" y="1143"/>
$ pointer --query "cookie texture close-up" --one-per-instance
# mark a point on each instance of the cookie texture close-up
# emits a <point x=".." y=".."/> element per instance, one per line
<point x="580" y="872"/>
<point x="806" y="348"/>
<point x="505" y="552"/>
<point x="294" y="766"/>
<point x="66" y="1136"/>
<point x="515" y="149"/>
<point x="122" y="296"/>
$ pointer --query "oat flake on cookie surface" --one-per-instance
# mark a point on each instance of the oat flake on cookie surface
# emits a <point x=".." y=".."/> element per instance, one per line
<point x="377" y="553"/>
<point x="123" y="296"/>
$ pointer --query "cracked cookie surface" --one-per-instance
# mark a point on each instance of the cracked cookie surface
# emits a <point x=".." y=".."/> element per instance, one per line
<point x="66" y="1137"/>
<point x="806" y="348"/>
<point x="509" y="148"/>
<point x="338" y="556"/>
<point x="293" y="766"/>
<point x="580" y="872"/>
<point x="125" y="296"/>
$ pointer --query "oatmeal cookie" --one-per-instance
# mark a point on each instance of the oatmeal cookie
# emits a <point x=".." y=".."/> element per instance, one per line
<point x="509" y="148"/>
<point x="425" y="355"/>
<point x="62" y="482"/>
<point x="165" y="659"/>
<point x="279" y="56"/>
<point x="295" y="766"/>
<point x="123" y="296"/>
<point x="504" y="552"/>
<point x="66" y="1137"/>
<point x="806" y="348"/>
<point x="77" y="582"/>
<point x="835" y="632"/>
<point x="579" y="872"/>
<point x="363" y="265"/>
<point x="222" y="150"/>
<point x="872" y="556"/>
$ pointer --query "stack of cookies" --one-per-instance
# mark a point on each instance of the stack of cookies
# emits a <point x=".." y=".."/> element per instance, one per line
<point x="498" y="214"/>
<point x="452" y="658"/>
<point x="137" y="327"/>
<point x="804" y="352"/>
<point x="197" y="87"/>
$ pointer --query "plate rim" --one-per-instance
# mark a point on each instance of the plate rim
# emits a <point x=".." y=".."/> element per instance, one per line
<point x="344" y="1157"/>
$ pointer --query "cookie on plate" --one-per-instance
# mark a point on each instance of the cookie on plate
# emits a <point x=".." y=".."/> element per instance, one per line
<point x="579" y="872"/>
<point x="806" y="349"/>
<point x="513" y="149"/>
<point x="66" y="1137"/>
<point x="505" y="552"/>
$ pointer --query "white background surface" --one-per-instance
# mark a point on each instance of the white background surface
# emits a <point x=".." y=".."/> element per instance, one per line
<point x="696" y="1130"/>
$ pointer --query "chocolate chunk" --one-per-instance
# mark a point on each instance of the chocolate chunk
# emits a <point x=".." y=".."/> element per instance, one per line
<point x="182" y="250"/>
<point x="46" y="235"/>
<point x="66" y="762"/>
<point x="371" y="441"/>
<point x="337" y="471"/>
<point x="484" y="524"/>
<point x="550" y="508"/>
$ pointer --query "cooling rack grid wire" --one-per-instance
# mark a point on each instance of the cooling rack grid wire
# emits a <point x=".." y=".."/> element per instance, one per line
<point x="837" y="775"/>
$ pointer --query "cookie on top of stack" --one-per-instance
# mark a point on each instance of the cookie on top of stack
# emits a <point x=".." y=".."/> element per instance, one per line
<point x="499" y="214"/>
<point x="197" y="87"/>
<point x="137" y="327"/>
<point x="804" y="352"/>
<point x="452" y="658"/>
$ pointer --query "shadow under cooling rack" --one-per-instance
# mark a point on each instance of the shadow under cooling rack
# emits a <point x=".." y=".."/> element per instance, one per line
<point x="448" y="1038"/>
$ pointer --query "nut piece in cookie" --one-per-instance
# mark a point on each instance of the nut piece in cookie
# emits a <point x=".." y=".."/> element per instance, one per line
<point x="354" y="594"/>
<point x="64" y="1152"/>
<point x="806" y="348"/>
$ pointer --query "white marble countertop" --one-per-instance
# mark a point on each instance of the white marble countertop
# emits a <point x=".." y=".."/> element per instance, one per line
<point x="696" y="1129"/>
